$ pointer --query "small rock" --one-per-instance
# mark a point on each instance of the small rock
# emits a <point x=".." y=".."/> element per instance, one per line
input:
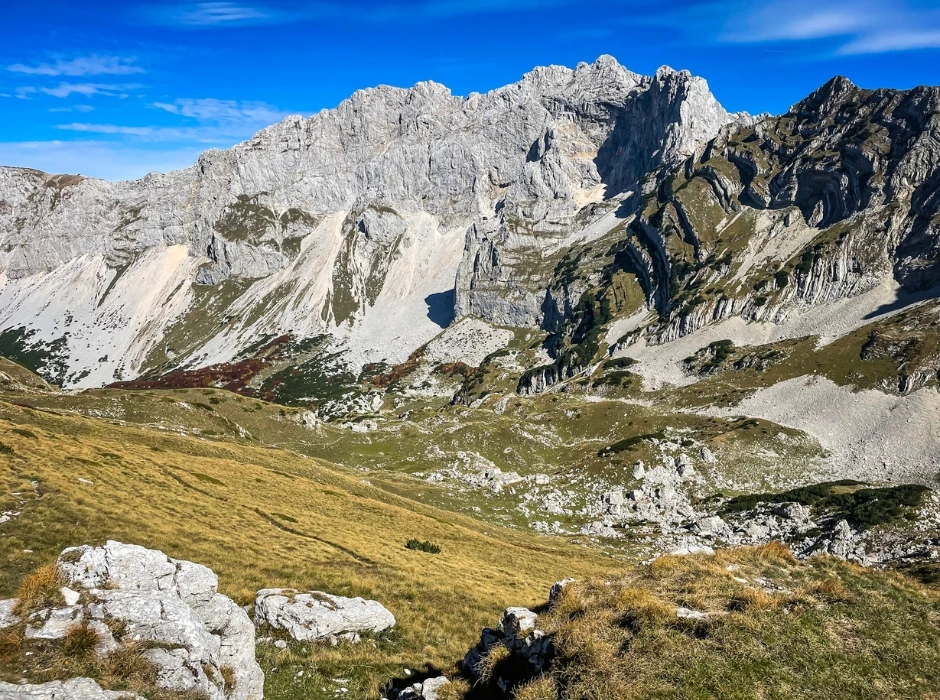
<point x="430" y="689"/>
<point x="712" y="525"/>
<point x="71" y="597"/>
<point x="557" y="588"/>
<point x="793" y="511"/>
<point x="517" y="620"/>
<point x="53" y="624"/>
<point x="280" y="644"/>
<point x="687" y="614"/>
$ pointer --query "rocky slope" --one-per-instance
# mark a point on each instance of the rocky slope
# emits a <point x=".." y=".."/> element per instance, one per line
<point x="351" y="223"/>
<point x="837" y="199"/>
<point x="638" y="274"/>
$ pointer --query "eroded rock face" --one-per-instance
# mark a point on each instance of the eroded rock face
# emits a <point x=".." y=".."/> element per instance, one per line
<point x="347" y="221"/>
<point x="74" y="689"/>
<point x="202" y="634"/>
<point x="310" y="616"/>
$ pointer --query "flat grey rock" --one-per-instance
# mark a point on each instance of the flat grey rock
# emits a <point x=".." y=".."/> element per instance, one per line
<point x="312" y="615"/>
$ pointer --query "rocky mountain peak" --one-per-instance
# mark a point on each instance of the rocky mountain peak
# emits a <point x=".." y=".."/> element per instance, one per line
<point x="322" y="222"/>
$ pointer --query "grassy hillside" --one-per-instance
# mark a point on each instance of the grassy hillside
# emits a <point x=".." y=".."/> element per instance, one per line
<point x="260" y="517"/>
<point x="755" y="624"/>
<point x="566" y="436"/>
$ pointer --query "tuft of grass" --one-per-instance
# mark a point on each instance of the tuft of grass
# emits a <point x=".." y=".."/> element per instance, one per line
<point x="79" y="641"/>
<point x="228" y="679"/>
<point x="23" y="432"/>
<point x="39" y="589"/>
<point x="541" y="688"/>
<point x="752" y="600"/>
<point x="487" y="668"/>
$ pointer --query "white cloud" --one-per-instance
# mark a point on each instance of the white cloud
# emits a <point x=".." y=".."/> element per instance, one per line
<point x="859" y="27"/>
<point x="202" y="135"/>
<point x="893" y="41"/>
<point x="213" y="14"/>
<point x="81" y="66"/>
<point x="76" y="108"/>
<point x="107" y="160"/>
<point x="223" y="111"/>
<point x="86" y="89"/>
<point x="210" y="122"/>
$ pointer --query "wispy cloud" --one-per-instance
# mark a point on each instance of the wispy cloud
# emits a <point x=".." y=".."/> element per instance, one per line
<point x="63" y="90"/>
<point x="223" y="111"/>
<point x="901" y="40"/>
<point x="859" y="27"/>
<point x="205" y="121"/>
<point x="76" y="108"/>
<point x="151" y="133"/>
<point x="214" y="14"/>
<point x="81" y="66"/>
<point x="227" y="14"/>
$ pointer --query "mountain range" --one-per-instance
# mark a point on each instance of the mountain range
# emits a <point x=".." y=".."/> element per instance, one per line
<point x="444" y="351"/>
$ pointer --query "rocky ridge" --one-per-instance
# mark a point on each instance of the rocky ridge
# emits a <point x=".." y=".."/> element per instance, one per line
<point x="358" y="213"/>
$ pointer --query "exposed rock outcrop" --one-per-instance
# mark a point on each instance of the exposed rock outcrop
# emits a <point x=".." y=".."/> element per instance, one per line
<point x="74" y="689"/>
<point x="310" y="616"/>
<point x="199" y="639"/>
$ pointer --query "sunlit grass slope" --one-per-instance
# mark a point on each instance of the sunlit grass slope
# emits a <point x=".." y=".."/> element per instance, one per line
<point x="745" y="623"/>
<point x="263" y="517"/>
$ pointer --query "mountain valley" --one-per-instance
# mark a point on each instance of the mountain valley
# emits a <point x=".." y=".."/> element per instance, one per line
<point x="587" y="322"/>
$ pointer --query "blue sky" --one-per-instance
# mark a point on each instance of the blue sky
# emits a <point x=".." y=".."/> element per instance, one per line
<point x="118" y="89"/>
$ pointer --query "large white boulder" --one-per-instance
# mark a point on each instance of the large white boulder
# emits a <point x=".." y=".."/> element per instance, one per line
<point x="199" y="635"/>
<point x="312" y="615"/>
<point x="74" y="689"/>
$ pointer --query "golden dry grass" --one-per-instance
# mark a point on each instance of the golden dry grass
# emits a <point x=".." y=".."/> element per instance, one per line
<point x="263" y="517"/>
<point x="774" y="628"/>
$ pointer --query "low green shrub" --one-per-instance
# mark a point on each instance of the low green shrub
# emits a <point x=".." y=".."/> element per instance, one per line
<point x="424" y="546"/>
<point x="861" y="507"/>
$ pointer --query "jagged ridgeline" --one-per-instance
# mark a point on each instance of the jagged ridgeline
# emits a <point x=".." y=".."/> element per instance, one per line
<point x="350" y="226"/>
<point x="824" y="203"/>
<point x="568" y="202"/>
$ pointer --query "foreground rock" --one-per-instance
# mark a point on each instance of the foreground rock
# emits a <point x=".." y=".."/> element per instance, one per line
<point x="313" y="615"/>
<point x="518" y="632"/>
<point x="199" y="640"/>
<point x="427" y="690"/>
<point x="75" y="689"/>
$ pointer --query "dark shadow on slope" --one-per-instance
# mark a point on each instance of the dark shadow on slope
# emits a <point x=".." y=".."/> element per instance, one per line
<point x="904" y="299"/>
<point x="441" y="307"/>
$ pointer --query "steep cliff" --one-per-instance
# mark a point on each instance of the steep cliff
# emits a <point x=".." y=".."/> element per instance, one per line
<point x="351" y="223"/>
<point x="835" y="200"/>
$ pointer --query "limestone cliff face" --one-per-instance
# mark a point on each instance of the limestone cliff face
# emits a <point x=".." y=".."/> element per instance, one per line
<point x="508" y="259"/>
<point x="346" y="223"/>
<point x="836" y="198"/>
